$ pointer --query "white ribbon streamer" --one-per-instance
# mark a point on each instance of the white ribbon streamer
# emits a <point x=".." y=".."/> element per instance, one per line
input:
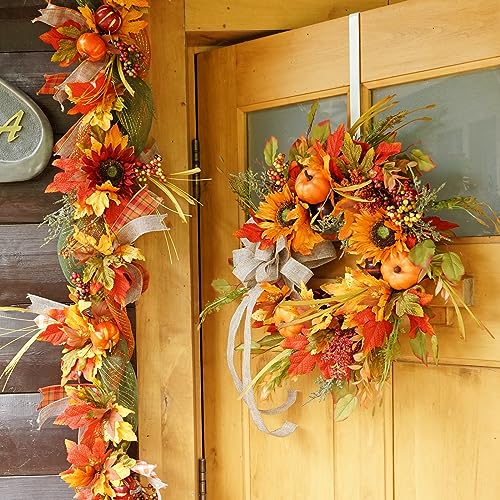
<point x="253" y="266"/>
<point x="134" y="229"/>
<point x="40" y="305"/>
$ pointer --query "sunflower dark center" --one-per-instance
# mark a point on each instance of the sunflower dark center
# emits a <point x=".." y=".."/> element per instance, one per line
<point x="283" y="213"/>
<point x="111" y="170"/>
<point x="382" y="236"/>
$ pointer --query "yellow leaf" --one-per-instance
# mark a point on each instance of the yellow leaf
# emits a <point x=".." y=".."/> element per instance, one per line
<point x="105" y="245"/>
<point x="129" y="253"/>
<point x="87" y="13"/>
<point x="124" y="432"/>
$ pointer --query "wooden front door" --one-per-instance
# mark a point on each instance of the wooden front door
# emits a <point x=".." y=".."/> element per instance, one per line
<point x="437" y="433"/>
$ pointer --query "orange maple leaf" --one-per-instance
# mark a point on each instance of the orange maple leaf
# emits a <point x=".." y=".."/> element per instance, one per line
<point x="374" y="332"/>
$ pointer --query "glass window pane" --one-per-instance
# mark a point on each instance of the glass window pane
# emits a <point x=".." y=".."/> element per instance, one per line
<point x="463" y="137"/>
<point x="287" y="123"/>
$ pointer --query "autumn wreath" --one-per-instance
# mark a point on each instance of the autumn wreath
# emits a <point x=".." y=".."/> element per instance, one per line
<point x="351" y="191"/>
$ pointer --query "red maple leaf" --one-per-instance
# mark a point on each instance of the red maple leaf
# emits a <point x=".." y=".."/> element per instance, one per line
<point x="80" y="455"/>
<point x="75" y="416"/>
<point x="293" y="172"/>
<point x="56" y="34"/>
<point x="424" y="298"/>
<point x="252" y="232"/>
<point x="295" y="342"/>
<point x="441" y="224"/>
<point x="374" y="332"/>
<point x="333" y="144"/>
<point x="71" y="178"/>
<point x="417" y="323"/>
<point x="385" y="150"/>
<point x="121" y="285"/>
<point x="302" y="362"/>
<point x="54" y="334"/>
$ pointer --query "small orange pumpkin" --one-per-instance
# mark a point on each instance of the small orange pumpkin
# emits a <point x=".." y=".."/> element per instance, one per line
<point x="285" y="314"/>
<point x="105" y="335"/>
<point x="312" y="185"/>
<point x="92" y="46"/>
<point x="400" y="272"/>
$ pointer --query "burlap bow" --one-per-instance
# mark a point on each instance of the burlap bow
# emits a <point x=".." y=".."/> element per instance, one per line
<point x="253" y="266"/>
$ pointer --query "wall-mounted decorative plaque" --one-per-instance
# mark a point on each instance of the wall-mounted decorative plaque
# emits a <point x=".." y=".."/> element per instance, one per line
<point x="26" y="138"/>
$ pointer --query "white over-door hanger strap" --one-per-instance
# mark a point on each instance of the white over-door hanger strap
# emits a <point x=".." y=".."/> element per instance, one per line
<point x="354" y="69"/>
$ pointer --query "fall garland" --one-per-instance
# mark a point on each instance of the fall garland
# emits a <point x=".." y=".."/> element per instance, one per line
<point x="108" y="169"/>
<point x="346" y="192"/>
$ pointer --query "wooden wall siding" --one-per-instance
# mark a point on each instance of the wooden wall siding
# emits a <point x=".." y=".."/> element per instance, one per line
<point x="28" y="267"/>
<point x="28" y="487"/>
<point x="26" y="449"/>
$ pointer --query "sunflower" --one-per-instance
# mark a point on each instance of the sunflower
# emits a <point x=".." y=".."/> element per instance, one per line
<point x="281" y="214"/>
<point x="375" y="237"/>
<point x="111" y="162"/>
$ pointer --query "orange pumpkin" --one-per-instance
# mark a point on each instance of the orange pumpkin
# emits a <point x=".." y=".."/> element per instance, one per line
<point x="400" y="272"/>
<point x="105" y="335"/>
<point x="284" y="314"/>
<point x="312" y="185"/>
<point x="92" y="46"/>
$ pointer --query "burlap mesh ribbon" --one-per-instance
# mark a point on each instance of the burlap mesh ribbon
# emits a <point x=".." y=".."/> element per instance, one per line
<point x="253" y="266"/>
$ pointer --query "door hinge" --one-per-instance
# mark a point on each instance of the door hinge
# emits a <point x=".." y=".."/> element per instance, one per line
<point x="195" y="163"/>
<point x="202" y="479"/>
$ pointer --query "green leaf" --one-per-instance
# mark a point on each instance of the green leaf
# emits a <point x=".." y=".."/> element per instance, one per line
<point x="311" y="115"/>
<point x="320" y="132"/>
<point x="69" y="31"/>
<point x="435" y="348"/>
<point x="422" y="253"/>
<point x="221" y="286"/>
<point x="298" y="149"/>
<point x="351" y="151"/>
<point x="367" y="162"/>
<point x="270" y="150"/>
<point x="66" y="51"/>
<point x="344" y="407"/>
<point x="408" y="303"/>
<point x="424" y="162"/>
<point x="452" y="266"/>
<point x="419" y="346"/>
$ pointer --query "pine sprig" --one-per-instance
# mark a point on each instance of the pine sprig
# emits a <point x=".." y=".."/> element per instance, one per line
<point x="60" y="220"/>
<point x="247" y="186"/>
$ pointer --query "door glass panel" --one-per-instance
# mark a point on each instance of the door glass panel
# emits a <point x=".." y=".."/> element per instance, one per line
<point x="287" y="123"/>
<point x="463" y="137"/>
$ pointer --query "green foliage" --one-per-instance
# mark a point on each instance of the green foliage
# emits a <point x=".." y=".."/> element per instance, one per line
<point x="452" y="266"/>
<point x="408" y="303"/>
<point x="419" y="346"/>
<point x="137" y="114"/>
<point x="422" y="253"/>
<point x="270" y="150"/>
<point x="320" y="132"/>
<point x="311" y="115"/>
<point x="247" y="186"/>
<point x="92" y="4"/>
<point x="345" y="406"/>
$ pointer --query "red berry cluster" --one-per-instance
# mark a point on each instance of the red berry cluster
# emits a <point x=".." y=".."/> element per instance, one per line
<point x="143" y="171"/>
<point x="339" y="355"/>
<point x="82" y="290"/>
<point x="132" y="59"/>
<point x="277" y="173"/>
